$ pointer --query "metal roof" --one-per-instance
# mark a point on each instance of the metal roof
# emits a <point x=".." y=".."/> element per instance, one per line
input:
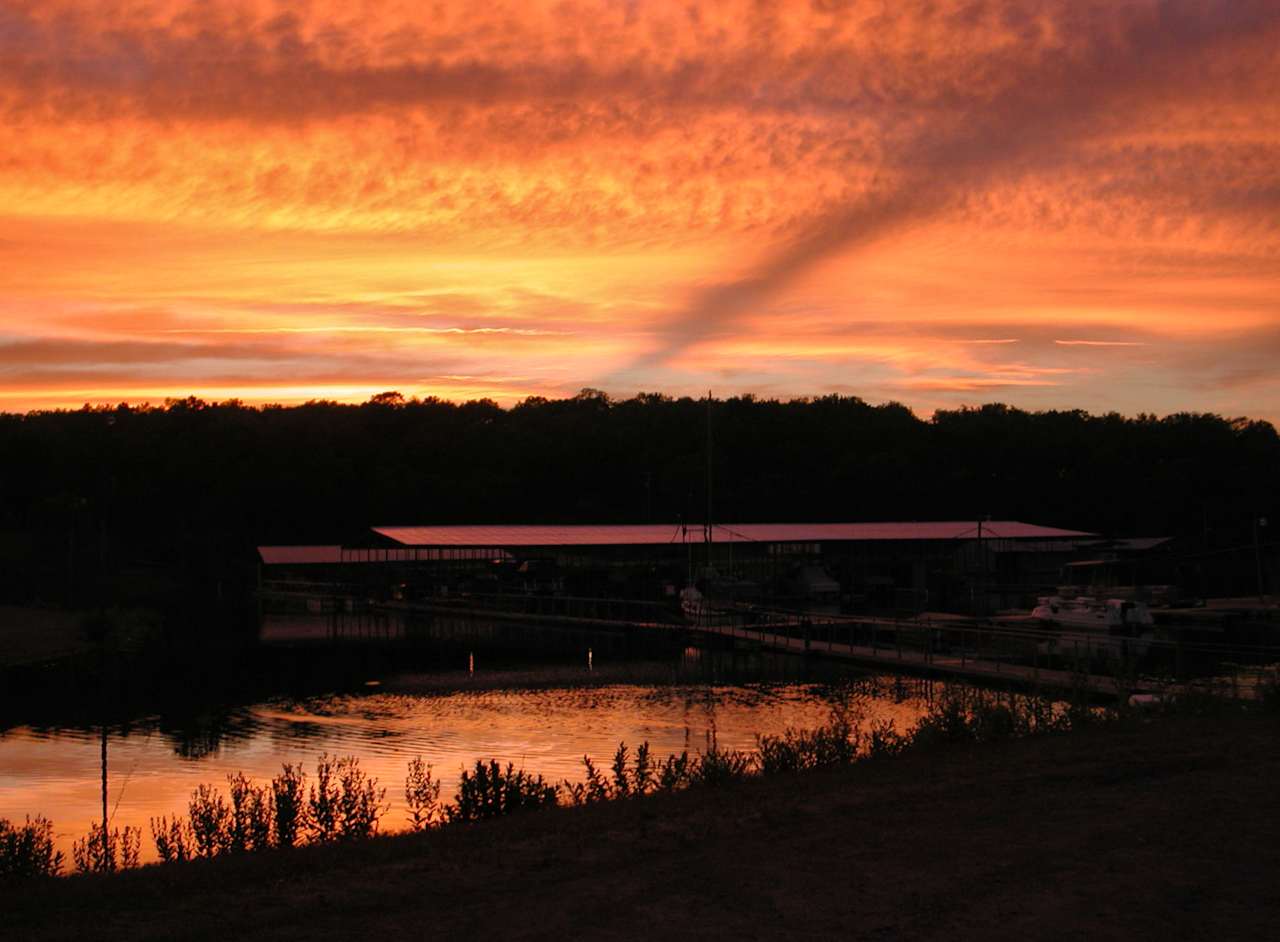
<point x="1133" y="543"/>
<point x="657" y="534"/>
<point x="299" y="555"/>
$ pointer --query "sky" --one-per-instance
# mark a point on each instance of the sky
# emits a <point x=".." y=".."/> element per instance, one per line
<point x="1049" y="203"/>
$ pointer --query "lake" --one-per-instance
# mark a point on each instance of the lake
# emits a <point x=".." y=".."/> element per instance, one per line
<point x="542" y="718"/>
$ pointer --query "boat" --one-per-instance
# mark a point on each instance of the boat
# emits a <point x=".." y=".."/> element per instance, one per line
<point x="717" y="600"/>
<point x="1120" y="628"/>
<point x="1086" y="612"/>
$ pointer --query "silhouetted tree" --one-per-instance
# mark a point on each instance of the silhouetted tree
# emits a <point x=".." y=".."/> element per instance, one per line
<point x="88" y="498"/>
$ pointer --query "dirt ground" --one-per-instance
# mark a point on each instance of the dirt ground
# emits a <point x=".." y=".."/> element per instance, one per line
<point x="1169" y="830"/>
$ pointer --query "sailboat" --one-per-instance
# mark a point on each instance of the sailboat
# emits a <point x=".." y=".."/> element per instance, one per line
<point x="710" y="598"/>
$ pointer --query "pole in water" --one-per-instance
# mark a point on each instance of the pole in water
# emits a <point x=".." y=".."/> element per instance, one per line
<point x="106" y="846"/>
<point x="589" y="667"/>
<point x="471" y="662"/>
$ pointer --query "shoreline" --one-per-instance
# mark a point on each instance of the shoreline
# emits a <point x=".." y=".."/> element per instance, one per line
<point x="1164" y="827"/>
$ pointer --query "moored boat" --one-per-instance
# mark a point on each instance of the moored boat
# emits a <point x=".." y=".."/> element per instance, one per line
<point x="1120" y="628"/>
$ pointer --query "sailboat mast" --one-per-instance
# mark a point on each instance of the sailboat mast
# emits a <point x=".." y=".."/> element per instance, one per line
<point x="710" y="532"/>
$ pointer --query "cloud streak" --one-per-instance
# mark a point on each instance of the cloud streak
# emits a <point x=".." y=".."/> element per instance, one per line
<point x="1015" y="131"/>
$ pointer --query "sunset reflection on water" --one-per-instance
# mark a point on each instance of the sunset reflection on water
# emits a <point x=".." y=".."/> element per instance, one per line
<point x="154" y="766"/>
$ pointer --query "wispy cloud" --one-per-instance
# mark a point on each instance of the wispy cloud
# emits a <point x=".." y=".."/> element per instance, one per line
<point x="1100" y="343"/>
<point x="369" y="329"/>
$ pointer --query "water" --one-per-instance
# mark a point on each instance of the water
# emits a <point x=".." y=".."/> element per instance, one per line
<point x="155" y="763"/>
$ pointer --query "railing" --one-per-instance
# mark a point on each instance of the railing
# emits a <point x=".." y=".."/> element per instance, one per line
<point x="583" y="608"/>
<point x="958" y="646"/>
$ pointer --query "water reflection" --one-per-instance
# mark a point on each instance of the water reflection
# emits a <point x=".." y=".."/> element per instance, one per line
<point x="156" y="762"/>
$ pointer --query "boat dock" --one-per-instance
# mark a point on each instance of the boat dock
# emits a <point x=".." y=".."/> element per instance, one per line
<point x="959" y="648"/>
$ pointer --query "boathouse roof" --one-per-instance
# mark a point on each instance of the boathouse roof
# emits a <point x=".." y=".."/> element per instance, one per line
<point x="310" y="555"/>
<point x="658" y="534"/>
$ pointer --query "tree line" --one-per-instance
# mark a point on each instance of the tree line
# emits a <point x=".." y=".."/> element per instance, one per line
<point x="93" y="500"/>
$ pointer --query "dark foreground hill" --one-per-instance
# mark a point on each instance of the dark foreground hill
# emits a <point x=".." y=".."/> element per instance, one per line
<point x="1164" y="831"/>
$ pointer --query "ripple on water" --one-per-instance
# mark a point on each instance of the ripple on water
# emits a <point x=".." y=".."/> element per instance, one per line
<point x="156" y="762"/>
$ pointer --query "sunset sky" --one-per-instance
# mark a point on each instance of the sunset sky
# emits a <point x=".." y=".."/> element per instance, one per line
<point x="1050" y="203"/>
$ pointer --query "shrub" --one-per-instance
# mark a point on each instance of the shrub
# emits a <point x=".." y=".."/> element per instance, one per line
<point x="621" y="780"/>
<point x="884" y="741"/>
<point x="360" y="801"/>
<point x="718" y="766"/>
<point x="1038" y="715"/>
<point x="288" y="798"/>
<point x="491" y="792"/>
<point x="26" y="851"/>
<point x="210" y="821"/>
<point x="642" y="776"/>
<point x="595" y="788"/>
<point x="322" y="801"/>
<point x="675" y="772"/>
<point x="992" y="721"/>
<point x="836" y="743"/>
<point x="173" y="839"/>
<point x="344" y="803"/>
<point x="946" y="722"/>
<point x="422" y="797"/>
<point x="251" y="814"/>
<point x="103" y="852"/>
<point x="640" y="779"/>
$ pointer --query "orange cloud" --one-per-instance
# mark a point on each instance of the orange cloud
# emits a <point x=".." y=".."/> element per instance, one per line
<point x="787" y="198"/>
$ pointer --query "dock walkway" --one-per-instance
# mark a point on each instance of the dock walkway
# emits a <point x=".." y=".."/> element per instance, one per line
<point x="948" y="648"/>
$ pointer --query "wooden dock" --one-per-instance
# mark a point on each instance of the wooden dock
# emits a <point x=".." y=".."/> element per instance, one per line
<point x="983" y="653"/>
<point x="927" y="661"/>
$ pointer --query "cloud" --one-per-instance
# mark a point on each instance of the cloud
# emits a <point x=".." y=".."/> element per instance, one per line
<point x="1100" y="343"/>
<point x="1033" y="124"/>
<point x="372" y="329"/>
<point x="790" y="195"/>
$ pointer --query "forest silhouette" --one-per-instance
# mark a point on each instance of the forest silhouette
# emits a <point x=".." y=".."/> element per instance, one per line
<point x="90" y="498"/>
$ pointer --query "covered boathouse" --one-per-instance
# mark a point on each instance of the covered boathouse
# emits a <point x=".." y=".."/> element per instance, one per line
<point x="960" y="566"/>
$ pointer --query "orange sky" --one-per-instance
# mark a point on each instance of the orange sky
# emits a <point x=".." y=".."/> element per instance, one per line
<point x="1051" y="203"/>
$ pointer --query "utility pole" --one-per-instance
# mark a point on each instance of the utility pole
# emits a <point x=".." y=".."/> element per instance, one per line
<point x="1258" y="524"/>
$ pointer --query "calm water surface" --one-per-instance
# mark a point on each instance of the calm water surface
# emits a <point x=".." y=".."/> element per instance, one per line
<point x="154" y="764"/>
